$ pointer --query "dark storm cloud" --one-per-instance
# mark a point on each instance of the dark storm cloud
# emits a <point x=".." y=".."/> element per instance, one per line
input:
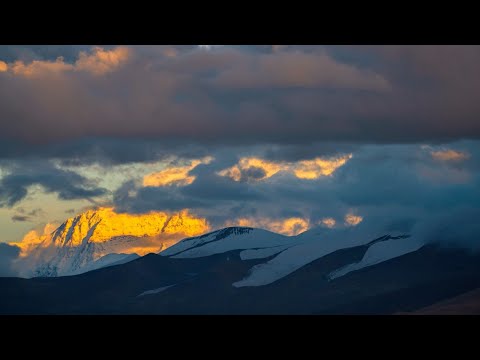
<point x="22" y="215"/>
<point x="8" y="254"/>
<point x="40" y="52"/>
<point x="395" y="185"/>
<point x="208" y="191"/>
<point x="21" y="175"/>
<point x="20" y="218"/>
<point x="244" y="96"/>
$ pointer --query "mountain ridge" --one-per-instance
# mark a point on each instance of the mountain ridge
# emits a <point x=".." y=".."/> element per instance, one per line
<point x="81" y="240"/>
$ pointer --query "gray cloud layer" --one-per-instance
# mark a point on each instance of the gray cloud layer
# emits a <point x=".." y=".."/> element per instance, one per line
<point x="401" y="182"/>
<point x="23" y="174"/>
<point x="245" y="96"/>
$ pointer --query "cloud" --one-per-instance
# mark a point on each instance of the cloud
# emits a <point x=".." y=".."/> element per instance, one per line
<point x="289" y="226"/>
<point x="258" y="169"/>
<point x="381" y="188"/>
<point x="20" y="218"/>
<point x="36" y="238"/>
<point x="252" y="168"/>
<point x="8" y="255"/>
<point x="21" y="176"/>
<point x="102" y="61"/>
<point x="39" y="68"/>
<point x="98" y="62"/>
<point x="328" y="222"/>
<point x="449" y="155"/>
<point x="178" y="176"/>
<point x="299" y="70"/>
<point x="353" y="220"/>
<point x="23" y="215"/>
<point x="237" y="95"/>
<point x="313" y="169"/>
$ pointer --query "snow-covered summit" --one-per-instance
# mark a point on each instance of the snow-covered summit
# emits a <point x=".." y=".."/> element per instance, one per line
<point x="77" y="244"/>
<point x="287" y="254"/>
<point x="223" y="240"/>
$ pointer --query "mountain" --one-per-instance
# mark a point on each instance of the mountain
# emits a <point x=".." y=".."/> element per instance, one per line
<point x="102" y="237"/>
<point x="241" y="270"/>
<point x="286" y="254"/>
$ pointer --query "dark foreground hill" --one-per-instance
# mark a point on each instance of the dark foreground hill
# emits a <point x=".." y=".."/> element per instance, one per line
<point x="156" y="284"/>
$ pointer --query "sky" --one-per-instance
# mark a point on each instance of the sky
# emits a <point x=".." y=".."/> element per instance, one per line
<point x="280" y="137"/>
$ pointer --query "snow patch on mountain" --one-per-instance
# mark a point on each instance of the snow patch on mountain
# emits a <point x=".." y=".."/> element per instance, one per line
<point x="106" y="261"/>
<point x="290" y="253"/>
<point x="379" y="252"/>
<point x="262" y="253"/>
<point x="155" y="291"/>
<point x="309" y="249"/>
<point x="220" y="241"/>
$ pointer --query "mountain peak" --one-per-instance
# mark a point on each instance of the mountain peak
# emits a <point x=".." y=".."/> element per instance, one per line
<point x="85" y="238"/>
<point x="103" y="224"/>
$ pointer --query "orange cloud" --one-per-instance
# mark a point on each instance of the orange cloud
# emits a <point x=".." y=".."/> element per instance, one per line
<point x="102" y="61"/>
<point x="3" y="66"/>
<point x="328" y="222"/>
<point x="269" y="168"/>
<point x="178" y="176"/>
<point x="449" y="155"/>
<point x="353" y="220"/>
<point x="307" y="169"/>
<point x="98" y="62"/>
<point x="36" y="238"/>
<point x="313" y="169"/>
<point x="40" y="67"/>
<point x="289" y="226"/>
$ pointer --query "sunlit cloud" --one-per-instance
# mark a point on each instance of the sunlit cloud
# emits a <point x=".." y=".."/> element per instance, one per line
<point x="289" y="226"/>
<point x="178" y="176"/>
<point x="36" y="238"/>
<point x="97" y="62"/>
<point x="113" y="176"/>
<point x="247" y="166"/>
<point x="353" y="220"/>
<point x="313" y="169"/>
<point x="328" y="222"/>
<point x="101" y="61"/>
<point x="3" y="66"/>
<point x="40" y="67"/>
<point x="450" y="155"/>
<point x="258" y="169"/>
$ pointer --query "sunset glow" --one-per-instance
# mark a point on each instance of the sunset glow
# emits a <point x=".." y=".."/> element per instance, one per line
<point x="174" y="175"/>
<point x="449" y="155"/>
<point x="289" y="226"/>
<point x="109" y="152"/>
<point x="308" y="169"/>
<point x="353" y="220"/>
<point x="98" y="62"/>
<point x="159" y="229"/>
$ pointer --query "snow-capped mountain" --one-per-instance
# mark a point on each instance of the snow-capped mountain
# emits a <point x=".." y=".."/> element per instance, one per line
<point x="239" y="270"/>
<point x="99" y="238"/>
<point x="285" y="254"/>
